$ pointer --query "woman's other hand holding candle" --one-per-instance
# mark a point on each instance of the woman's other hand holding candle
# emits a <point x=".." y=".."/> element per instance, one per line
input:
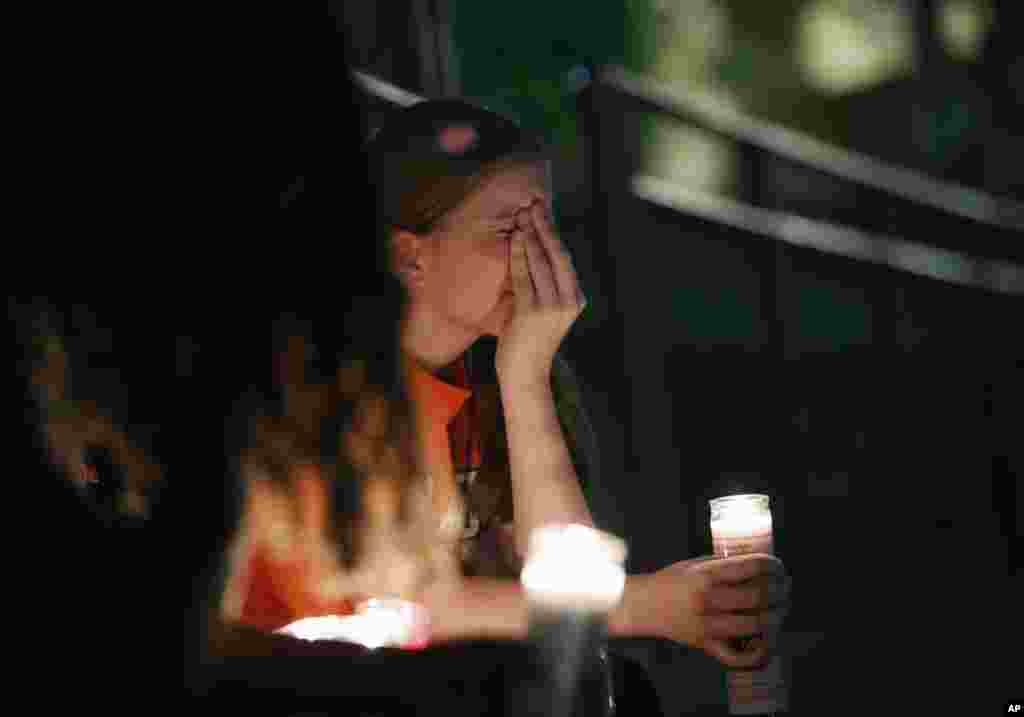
<point x="706" y="602"/>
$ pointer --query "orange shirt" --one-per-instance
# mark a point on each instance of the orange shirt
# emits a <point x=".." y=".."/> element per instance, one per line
<point x="442" y="426"/>
<point x="277" y="588"/>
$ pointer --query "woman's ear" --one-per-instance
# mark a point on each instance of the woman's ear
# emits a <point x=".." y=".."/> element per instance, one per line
<point x="406" y="258"/>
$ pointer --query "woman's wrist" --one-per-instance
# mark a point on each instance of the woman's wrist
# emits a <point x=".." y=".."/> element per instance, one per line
<point x="626" y="618"/>
<point x="516" y="379"/>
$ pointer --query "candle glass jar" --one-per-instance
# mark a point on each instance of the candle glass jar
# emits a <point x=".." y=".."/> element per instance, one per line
<point x="740" y="525"/>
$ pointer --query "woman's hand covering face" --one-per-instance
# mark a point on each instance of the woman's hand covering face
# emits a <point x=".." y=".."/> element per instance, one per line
<point x="548" y="298"/>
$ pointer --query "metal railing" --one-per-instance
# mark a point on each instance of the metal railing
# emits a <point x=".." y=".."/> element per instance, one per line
<point x="614" y="90"/>
<point x="908" y="256"/>
<point x="708" y="114"/>
<point x="385" y="90"/>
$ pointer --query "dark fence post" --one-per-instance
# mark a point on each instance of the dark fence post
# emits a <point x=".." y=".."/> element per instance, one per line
<point x="602" y="373"/>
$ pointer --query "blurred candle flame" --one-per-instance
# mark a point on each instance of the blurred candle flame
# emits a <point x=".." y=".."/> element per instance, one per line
<point x="574" y="567"/>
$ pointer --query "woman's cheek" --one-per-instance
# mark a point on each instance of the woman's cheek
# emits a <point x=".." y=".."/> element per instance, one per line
<point x="495" y="321"/>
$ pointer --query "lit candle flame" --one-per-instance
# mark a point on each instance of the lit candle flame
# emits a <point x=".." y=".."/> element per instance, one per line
<point x="576" y="567"/>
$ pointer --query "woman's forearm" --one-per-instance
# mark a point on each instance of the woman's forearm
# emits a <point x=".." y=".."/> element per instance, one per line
<point x="474" y="608"/>
<point x="545" y="488"/>
<point x="491" y="608"/>
<point x="477" y="608"/>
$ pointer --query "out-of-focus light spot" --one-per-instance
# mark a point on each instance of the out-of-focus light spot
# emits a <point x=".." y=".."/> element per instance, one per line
<point x="357" y="629"/>
<point x="963" y="25"/>
<point x="692" y="38"/>
<point x="690" y="157"/>
<point x="377" y="623"/>
<point x="574" y="567"/>
<point x="843" y="46"/>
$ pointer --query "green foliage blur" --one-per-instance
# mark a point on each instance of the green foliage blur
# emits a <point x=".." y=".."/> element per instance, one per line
<point x="518" y="58"/>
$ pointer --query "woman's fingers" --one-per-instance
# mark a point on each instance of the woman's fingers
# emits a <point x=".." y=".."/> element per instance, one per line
<point x="564" y="274"/>
<point x="519" y="271"/>
<point x="548" y="266"/>
<point x="724" y="626"/>
<point x="741" y="568"/>
<point x="539" y="265"/>
<point x="757" y="656"/>
<point x="723" y="598"/>
<point x="758" y="594"/>
<point x="730" y="626"/>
